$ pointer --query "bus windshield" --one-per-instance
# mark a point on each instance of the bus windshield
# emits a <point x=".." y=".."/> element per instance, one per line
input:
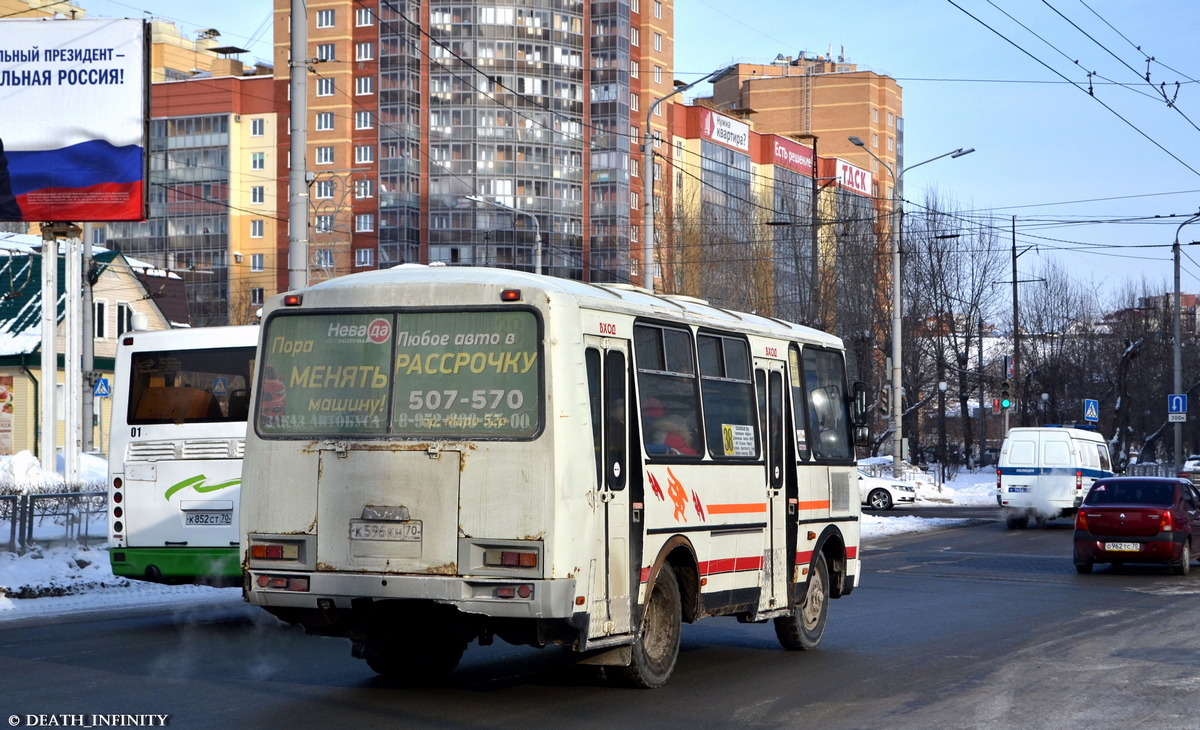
<point x="428" y="374"/>
<point x="190" y="386"/>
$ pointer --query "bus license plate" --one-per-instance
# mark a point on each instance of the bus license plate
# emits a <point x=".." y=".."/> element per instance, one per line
<point x="388" y="531"/>
<point x="1123" y="547"/>
<point x="208" y="518"/>
<point x="1018" y="489"/>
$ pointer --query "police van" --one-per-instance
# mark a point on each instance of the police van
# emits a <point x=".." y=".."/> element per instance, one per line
<point x="1045" y="472"/>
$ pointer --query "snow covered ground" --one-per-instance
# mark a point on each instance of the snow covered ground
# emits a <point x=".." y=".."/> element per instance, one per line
<point x="49" y="583"/>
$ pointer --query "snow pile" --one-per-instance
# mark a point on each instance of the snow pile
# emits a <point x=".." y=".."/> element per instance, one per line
<point x="22" y="473"/>
<point x="58" y="571"/>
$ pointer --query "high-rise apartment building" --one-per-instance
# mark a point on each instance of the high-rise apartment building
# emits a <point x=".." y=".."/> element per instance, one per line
<point x="821" y="97"/>
<point x="534" y="110"/>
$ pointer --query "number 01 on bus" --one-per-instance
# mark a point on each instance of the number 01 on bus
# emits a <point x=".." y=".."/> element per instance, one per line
<point x="442" y="455"/>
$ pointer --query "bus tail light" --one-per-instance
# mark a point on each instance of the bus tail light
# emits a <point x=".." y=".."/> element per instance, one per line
<point x="510" y="558"/>
<point x="274" y="551"/>
<point x="297" y="584"/>
<point x="292" y="300"/>
<point x="1078" y="480"/>
<point x="510" y="295"/>
<point x="519" y="591"/>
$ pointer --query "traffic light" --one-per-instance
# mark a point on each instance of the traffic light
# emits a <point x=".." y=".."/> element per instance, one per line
<point x="1006" y="394"/>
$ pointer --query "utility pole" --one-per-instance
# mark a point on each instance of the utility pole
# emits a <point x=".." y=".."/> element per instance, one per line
<point x="298" y="144"/>
<point x="1016" y="355"/>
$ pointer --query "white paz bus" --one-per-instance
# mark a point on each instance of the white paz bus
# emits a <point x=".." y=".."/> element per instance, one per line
<point x="180" y="402"/>
<point x="455" y="454"/>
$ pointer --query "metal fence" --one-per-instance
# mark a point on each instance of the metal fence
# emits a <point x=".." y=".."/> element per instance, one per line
<point x="52" y="519"/>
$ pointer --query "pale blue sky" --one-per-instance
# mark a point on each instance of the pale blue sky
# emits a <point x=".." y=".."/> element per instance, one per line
<point x="1039" y="141"/>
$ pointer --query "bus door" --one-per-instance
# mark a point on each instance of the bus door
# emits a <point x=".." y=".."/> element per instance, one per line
<point x="612" y="572"/>
<point x="768" y="381"/>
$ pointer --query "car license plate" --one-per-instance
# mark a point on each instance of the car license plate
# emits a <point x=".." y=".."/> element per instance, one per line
<point x="208" y="518"/>
<point x="1018" y="489"/>
<point x="388" y="531"/>
<point x="1122" y="547"/>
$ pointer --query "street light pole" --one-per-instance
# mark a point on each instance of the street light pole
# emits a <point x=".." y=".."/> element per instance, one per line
<point x="1177" y="350"/>
<point x="537" y="227"/>
<point x="648" y="179"/>
<point x="897" y="246"/>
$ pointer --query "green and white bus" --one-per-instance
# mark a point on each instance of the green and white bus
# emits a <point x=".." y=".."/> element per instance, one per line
<point x="180" y="403"/>
<point x="469" y="453"/>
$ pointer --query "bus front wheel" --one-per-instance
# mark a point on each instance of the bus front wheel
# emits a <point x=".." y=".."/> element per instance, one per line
<point x="802" y="631"/>
<point x="657" y="645"/>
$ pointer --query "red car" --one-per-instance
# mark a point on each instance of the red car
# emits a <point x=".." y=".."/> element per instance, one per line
<point x="1138" y="520"/>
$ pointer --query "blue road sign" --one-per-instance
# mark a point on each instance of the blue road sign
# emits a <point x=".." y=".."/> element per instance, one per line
<point x="220" y="386"/>
<point x="1177" y="403"/>
<point x="1091" y="410"/>
<point x="100" y="389"/>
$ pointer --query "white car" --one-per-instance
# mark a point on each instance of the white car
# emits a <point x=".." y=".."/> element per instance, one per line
<point x="882" y="494"/>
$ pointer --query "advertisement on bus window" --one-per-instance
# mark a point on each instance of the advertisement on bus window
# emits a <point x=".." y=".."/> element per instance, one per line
<point x="419" y="374"/>
<point x="73" y="134"/>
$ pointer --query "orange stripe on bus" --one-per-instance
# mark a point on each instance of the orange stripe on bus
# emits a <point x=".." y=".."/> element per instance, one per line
<point x="819" y="504"/>
<point x="729" y="509"/>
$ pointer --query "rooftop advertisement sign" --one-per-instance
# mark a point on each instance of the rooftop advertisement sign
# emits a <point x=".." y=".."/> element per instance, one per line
<point x="854" y="178"/>
<point x="73" y="131"/>
<point x="791" y="155"/>
<point x="722" y="129"/>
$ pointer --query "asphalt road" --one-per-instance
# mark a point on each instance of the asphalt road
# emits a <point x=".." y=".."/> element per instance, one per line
<point x="975" y="626"/>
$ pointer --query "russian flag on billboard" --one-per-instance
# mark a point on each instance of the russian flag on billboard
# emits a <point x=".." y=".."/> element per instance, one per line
<point x="73" y="136"/>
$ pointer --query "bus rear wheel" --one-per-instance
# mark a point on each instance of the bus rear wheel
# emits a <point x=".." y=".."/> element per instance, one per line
<point x="657" y="645"/>
<point x="802" y="631"/>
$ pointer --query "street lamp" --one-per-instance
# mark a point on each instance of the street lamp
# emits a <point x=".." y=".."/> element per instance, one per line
<point x="1177" y="351"/>
<point x="537" y="227"/>
<point x="897" y="243"/>
<point x="648" y="178"/>
<point x="942" y="386"/>
<point x="1045" y="408"/>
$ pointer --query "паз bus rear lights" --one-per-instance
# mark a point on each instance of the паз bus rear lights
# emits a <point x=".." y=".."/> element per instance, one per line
<point x="510" y="559"/>
<point x="292" y="300"/>
<point x="284" y="583"/>
<point x="510" y="295"/>
<point x="521" y="591"/>
<point x="274" y="551"/>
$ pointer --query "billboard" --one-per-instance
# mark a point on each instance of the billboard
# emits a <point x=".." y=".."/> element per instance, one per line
<point x="73" y="131"/>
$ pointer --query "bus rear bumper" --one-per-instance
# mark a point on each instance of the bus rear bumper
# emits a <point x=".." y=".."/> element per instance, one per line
<point x="507" y="598"/>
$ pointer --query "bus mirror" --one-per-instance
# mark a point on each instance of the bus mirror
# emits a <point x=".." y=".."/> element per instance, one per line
<point x="859" y="407"/>
<point x="862" y="436"/>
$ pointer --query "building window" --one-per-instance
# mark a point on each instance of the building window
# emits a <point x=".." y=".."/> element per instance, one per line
<point x="324" y="156"/>
<point x="258" y="262"/>
<point x="364" y="222"/>
<point x="633" y="69"/>
<point x="364" y="17"/>
<point x="364" y="85"/>
<point x="325" y="121"/>
<point x="634" y="6"/>
<point x="891" y="119"/>
<point x="256" y="229"/>
<point x="324" y="18"/>
<point x="658" y="74"/>
<point x="99" y="235"/>
<point x="633" y="102"/>
<point x="364" y="52"/>
<point x="100" y="319"/>
<point x="364" y="153"/>
<point x="325" y="52"/>
<point x="658" y="41"/>
<point x="325" y="87"/>
<point x="258" y="160"/>
<point x="323" y="224"/>
<point x="875" y="116"/>
<point x="258" y="127"/>
<point x="364" y="257"/>
<point x="256" y="295"/>
<point x="633" y="36"/>
<point x="634" y="200"/>
<point x="325" y="258"/>
<point x="889" y="139"/>
<point x="323" y="189"/>
<point x="875" y="139"/>
<point x="657" y="9"/>
<point x="124" y="318"/>
<point x="258" y="195"/>
<point x="364" y="120"/>
<point x="633" y="167"/>
<point x="364" y="189"/>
